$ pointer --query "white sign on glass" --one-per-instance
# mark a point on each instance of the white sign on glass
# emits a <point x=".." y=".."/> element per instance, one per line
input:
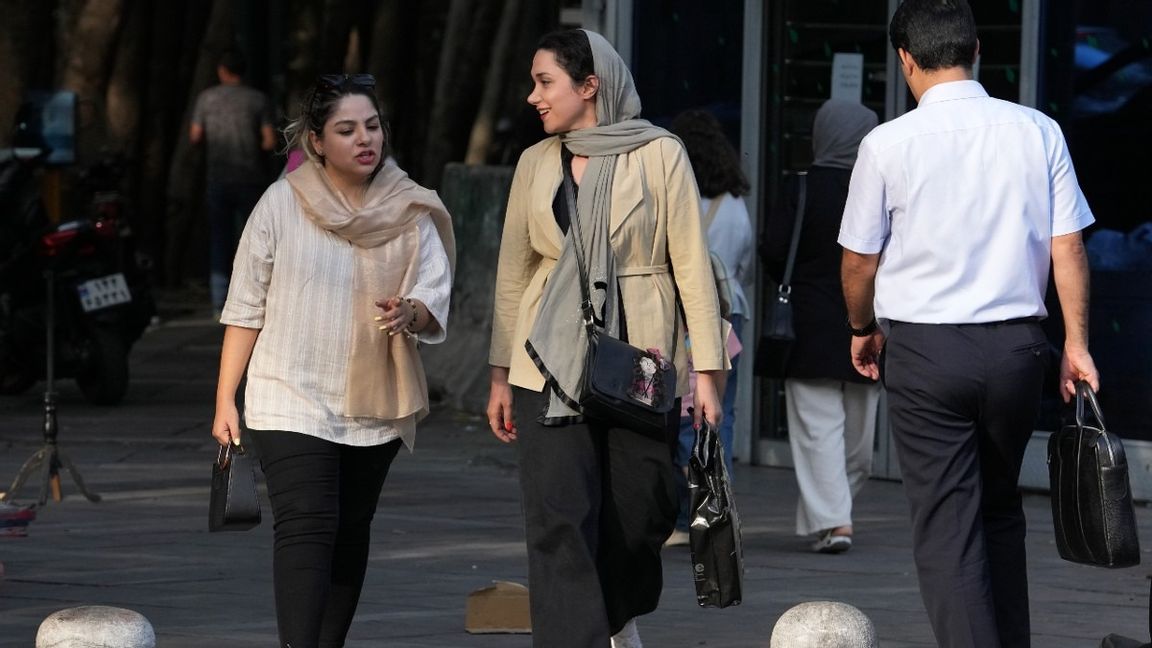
<point x="848" y="76"/>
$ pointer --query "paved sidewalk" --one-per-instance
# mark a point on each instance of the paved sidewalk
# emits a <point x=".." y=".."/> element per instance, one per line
<point x="449" y="522"/>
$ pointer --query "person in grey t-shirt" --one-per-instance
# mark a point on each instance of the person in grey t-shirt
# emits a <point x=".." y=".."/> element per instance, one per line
<point x="235" y="121"/>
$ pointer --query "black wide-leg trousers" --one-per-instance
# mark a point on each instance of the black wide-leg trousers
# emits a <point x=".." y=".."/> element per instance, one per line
<point x="323" y="496"/>
<point x="598" y="504"/>
<point x="963" y="401"/>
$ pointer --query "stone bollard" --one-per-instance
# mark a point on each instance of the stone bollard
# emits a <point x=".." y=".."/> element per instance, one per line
<point x="95" y="626"/>
<point x="824" y="624"/>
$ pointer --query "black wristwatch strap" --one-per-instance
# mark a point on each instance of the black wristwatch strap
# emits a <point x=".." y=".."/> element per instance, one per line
<point x="868" y="329"/>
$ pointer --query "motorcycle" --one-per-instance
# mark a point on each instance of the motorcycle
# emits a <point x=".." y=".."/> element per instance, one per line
<point x="101" y="301"/>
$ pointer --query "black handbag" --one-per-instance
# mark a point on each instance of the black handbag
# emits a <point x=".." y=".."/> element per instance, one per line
<point x="233" y="504"/>
<point x="778" y="333"/>
<point x="714" y="531"/>
<point x="1091" y="500"/>
<point x="622" y="384"/>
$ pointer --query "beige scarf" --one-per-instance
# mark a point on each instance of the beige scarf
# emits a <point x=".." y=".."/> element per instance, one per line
<point x="385" y="376"/>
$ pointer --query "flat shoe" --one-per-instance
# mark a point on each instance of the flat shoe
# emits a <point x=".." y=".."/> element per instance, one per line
<point x="832" y="544"/>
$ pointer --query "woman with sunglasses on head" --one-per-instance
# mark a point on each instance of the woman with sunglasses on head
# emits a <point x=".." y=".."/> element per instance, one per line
<point x="343" y="266"/>
<point x="599" y="499"/>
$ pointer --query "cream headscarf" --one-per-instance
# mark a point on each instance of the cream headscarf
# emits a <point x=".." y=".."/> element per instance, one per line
<point x="385" y="376"/>
<point x="558" y="341"/>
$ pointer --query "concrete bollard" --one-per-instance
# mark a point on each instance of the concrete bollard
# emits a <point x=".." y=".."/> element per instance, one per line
<point x="824" y="624"/>
<point x="95" y="626"/>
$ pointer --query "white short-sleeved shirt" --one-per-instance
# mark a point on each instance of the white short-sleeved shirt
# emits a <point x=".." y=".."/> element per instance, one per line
<point x="961" y="198"/>
<point x="292" y="280"/>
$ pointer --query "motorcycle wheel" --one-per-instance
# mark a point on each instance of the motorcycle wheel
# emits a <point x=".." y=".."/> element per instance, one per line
<point x="103" y="374"/>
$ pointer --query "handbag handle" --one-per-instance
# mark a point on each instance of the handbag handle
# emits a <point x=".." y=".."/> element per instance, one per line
<point x="1084" y="394"/>
<point x="224" y="454"/>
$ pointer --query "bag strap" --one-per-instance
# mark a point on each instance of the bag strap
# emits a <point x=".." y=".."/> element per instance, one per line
<point x="1084" y="394"/>
<point x="710" y="215"/>
<point x="578" y="243"/>
<point x="801" y="204"/>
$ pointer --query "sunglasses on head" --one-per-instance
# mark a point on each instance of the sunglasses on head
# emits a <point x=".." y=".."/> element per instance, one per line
<point x="344" y="81"/>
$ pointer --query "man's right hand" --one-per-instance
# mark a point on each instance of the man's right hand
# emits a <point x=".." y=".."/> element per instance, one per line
<point x="500" y="419"/>
<point x="866" y="354"/>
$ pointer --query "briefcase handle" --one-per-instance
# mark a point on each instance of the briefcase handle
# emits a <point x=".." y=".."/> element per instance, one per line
<point x="1084" y="393"/>
<point x="224" y="454"/>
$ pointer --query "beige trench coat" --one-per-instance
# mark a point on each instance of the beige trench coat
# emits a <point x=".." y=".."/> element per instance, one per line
<point x="655" y="230"/>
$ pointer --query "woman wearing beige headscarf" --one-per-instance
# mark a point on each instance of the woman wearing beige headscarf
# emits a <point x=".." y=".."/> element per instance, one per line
<point x="342" y="266"/>
<point x="599" y="499"/>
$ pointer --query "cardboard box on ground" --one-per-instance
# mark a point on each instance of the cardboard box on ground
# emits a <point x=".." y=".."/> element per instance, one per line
<point x="499" y="608"/>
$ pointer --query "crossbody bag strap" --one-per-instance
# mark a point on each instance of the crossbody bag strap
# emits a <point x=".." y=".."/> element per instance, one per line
<point x="801" y="204"/>
<point x="710" y="215"/>
<point x="578" y="244"/>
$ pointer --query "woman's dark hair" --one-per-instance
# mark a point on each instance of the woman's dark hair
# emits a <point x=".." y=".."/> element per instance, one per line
<point x="713" y="158"/>
<point x="573" y="52"/>
<point x="321" y="101"/>
<point x="939" y="34"/>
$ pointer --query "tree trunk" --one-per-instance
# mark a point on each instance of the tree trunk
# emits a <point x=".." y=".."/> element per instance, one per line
<point x="334" y="38"/>
<point x="86" y="69"/>
<point x="22" y="49"/>
<point x="123" y="99"/>
<point x="480" y="142"/>
<point x="463" y="54"/>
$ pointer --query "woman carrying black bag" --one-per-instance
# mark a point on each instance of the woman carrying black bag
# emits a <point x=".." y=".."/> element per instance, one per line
<point x="599" y="498"/>
<point x="831" y="408"/>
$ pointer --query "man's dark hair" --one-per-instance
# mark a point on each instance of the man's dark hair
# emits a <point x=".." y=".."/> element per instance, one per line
<point x="234" y="62"/>
<point x="573" y="52"/>
<point x="938" y="34"/>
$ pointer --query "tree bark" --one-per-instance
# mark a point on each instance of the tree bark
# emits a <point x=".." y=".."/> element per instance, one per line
<point x="123" y="100"/>
<point x="480" y="141"/>
<point x="463" y="54"/>
<point x="86" y="69"/>
<point x="22" y="49"/>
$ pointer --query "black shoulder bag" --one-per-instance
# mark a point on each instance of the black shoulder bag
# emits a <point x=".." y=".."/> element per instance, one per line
<point x="775" y="345"/>
<point x="622" y="384"/>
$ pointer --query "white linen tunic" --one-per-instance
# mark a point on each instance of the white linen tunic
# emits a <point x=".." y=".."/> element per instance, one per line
<point x="292" y="280"/>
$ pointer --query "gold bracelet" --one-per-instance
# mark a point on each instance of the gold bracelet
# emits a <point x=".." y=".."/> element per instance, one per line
<point x="411" y="328"/>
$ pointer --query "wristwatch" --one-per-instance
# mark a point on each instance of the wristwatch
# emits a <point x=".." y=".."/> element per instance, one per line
<point x="868" y="329"/>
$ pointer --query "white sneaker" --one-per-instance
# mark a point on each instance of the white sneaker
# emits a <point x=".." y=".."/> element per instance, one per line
<point x="628" y="637"/>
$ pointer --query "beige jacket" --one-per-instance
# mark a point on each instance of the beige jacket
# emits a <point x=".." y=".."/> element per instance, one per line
<point x="655" y="219"/>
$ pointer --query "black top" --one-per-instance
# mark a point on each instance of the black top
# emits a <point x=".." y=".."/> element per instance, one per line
<point x="823" y="341"/>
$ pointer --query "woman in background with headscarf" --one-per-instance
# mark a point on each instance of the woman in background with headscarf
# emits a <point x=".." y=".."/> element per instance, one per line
<point x="831" y="408"/>
<point x="599" y="499"/>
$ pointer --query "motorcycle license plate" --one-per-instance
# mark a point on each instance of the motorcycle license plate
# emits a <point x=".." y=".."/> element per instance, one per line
<point x="104" y="292"/>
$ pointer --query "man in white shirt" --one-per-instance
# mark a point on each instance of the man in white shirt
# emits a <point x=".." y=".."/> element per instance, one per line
<point x="955" y="213"/>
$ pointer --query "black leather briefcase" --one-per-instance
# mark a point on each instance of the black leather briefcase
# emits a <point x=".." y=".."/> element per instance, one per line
<point x="1091" y="499"/>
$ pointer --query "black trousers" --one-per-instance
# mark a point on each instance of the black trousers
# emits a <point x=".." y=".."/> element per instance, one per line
<point x="598" y="504"/>
<point x="324" y="496"/>
<point x="963" y="400"/>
